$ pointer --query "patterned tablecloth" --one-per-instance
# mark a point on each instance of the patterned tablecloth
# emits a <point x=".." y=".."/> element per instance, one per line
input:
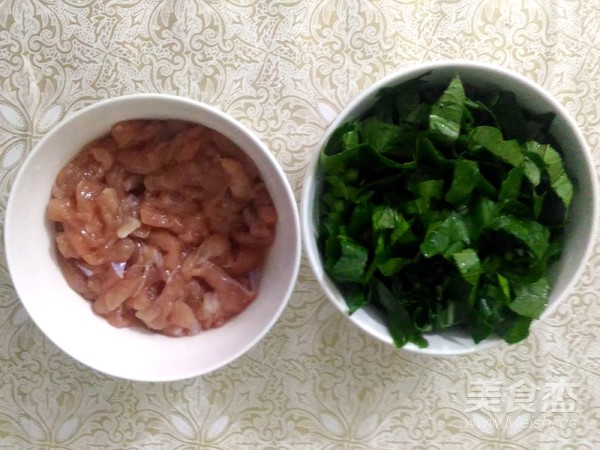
<point x="284" y="68"/>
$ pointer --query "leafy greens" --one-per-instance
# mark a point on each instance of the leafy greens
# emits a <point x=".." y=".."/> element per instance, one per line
<point x="442" y="208"/>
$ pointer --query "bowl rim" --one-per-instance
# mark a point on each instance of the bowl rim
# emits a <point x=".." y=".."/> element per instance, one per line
<point x="397" y="77"/>
<point x="293" y="236"/>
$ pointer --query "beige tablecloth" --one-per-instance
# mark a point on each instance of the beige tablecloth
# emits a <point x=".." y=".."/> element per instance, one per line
<point x="284" y="68"/>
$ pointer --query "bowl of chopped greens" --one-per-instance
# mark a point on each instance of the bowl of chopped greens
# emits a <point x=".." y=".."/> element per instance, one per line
<point x="450" y="206"/>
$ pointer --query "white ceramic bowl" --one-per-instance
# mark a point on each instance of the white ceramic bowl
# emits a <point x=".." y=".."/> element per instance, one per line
<point x="69" y="321"/>
<point x="580" y="231"/>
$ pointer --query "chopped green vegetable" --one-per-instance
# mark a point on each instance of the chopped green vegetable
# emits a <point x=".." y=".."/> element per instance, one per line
<point x="531" y="298"/>
<point x="442" y="209"/>
<point x="446" y="114"/>
<point x="491" y="139"/>
<point x="551" y="163"/>
<point x="469" y="265"/>
<point x="446" y="237"/>
<point x="351" y="265"/>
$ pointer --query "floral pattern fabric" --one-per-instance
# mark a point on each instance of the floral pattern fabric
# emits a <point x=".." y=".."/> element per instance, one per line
<point x="284" y="68"/>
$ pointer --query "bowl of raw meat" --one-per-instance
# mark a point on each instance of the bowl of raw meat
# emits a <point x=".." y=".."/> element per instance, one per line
<point x="152" y="237"/>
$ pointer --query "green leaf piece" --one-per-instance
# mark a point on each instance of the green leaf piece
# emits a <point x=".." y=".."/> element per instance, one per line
<point x="353" y="262"/>
<point x="531" y="299"/>
<point x="534" y="235"/>
<point x="446" y="237"/>
<point x="551" y="163"/>
<point x="491" y="139"/>
<point x="468" y="265"/>
<point x="446" y="114"/>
